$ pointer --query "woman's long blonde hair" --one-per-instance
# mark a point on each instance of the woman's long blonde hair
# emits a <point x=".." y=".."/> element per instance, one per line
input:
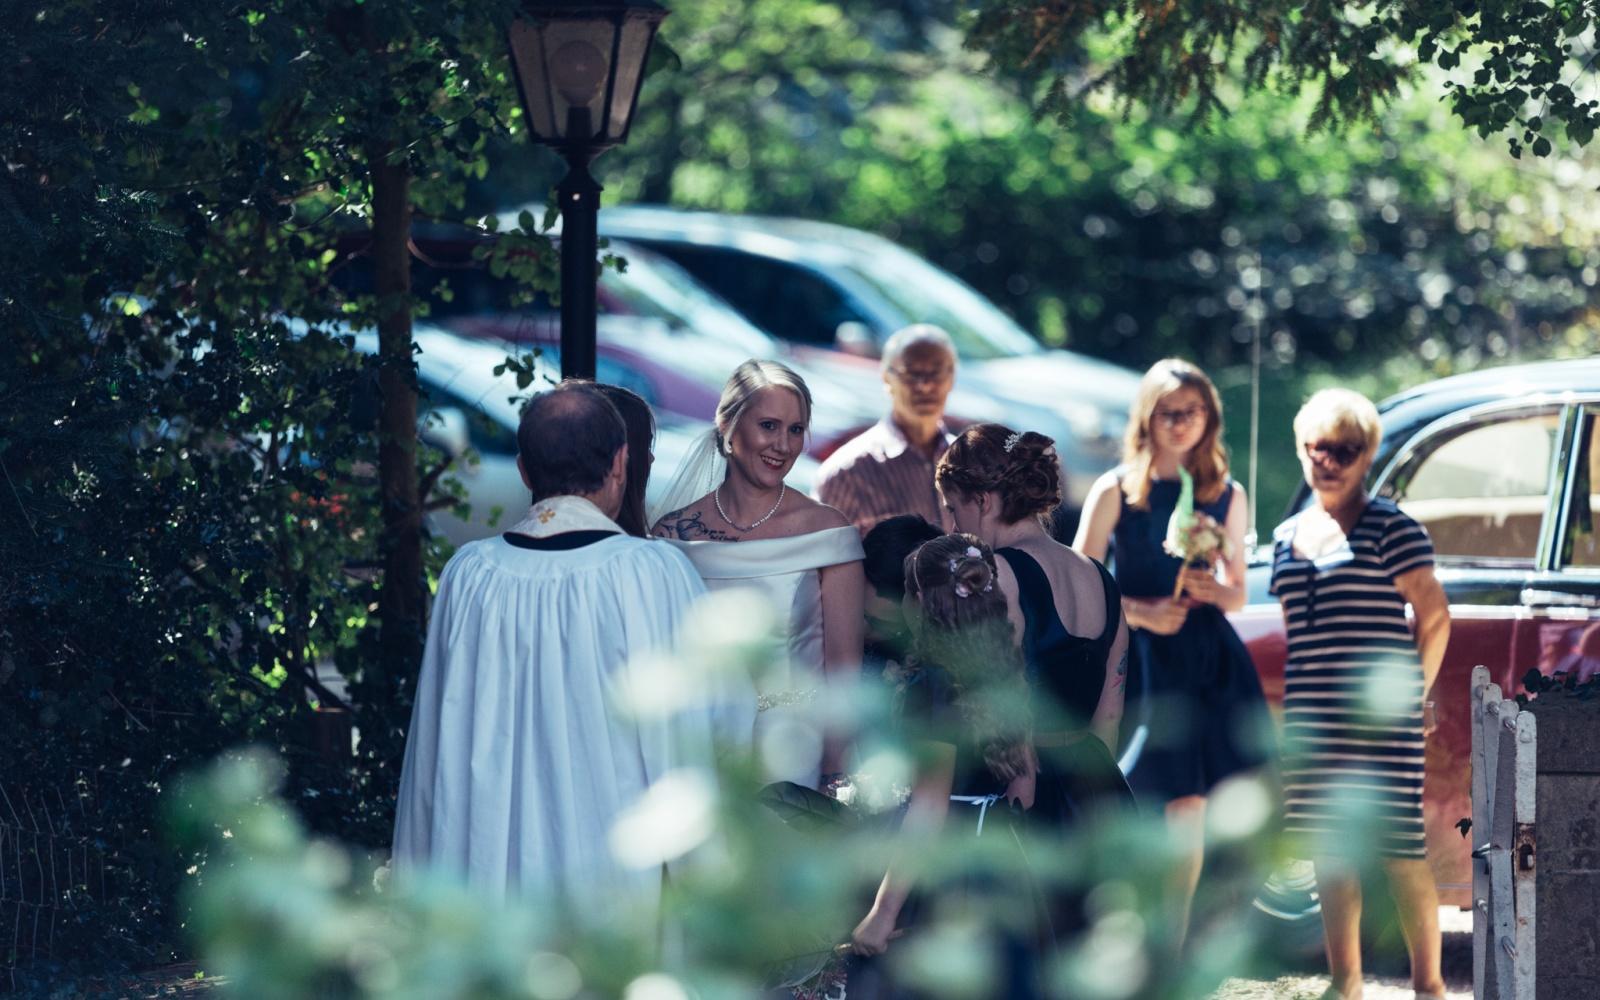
<point x="1207" y="462"/>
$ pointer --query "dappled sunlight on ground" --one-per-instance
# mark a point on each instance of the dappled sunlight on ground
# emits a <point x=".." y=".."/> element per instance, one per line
<point x="1457" y="926"/>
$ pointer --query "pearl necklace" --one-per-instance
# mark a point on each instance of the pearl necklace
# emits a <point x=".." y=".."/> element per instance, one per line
<point x="716" y="498"/>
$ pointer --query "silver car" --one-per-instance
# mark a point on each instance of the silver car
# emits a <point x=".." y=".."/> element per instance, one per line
<point x="835" y="294"/>
<point x="471" y="413"/>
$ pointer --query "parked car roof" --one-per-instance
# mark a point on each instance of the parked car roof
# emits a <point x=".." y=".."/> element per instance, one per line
<point x="836" y="294"/>
<point x="914" y="287"/>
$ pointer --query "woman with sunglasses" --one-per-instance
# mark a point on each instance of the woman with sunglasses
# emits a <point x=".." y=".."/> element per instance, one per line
<point x="1195" y="714"/>
<point x="1344" y="569"/>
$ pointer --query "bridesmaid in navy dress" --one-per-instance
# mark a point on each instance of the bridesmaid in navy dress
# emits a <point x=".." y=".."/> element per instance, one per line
<point x="1001" y="485"/>
<point x="1195" y="713"/>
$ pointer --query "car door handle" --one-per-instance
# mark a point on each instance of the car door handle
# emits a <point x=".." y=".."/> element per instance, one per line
<point x="1557" y="599"/>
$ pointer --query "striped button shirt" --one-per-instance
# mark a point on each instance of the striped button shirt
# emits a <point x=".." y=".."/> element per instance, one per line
<point x="878" y="474"/>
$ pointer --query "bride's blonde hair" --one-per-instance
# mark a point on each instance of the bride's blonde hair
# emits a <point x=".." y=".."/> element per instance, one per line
<point x="705" y="464"/>
<point x="742" y="386"/>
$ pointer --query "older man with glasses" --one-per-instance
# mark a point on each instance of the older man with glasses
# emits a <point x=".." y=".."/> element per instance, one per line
<point x="888" y="468"/>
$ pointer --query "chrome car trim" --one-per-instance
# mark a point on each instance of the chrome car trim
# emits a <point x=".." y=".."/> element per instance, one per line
<point x="1569" y="441"/>
<point x="1485" y="612"/>
<point x="1557" y="599"/>
<point x="1564" y="467"/>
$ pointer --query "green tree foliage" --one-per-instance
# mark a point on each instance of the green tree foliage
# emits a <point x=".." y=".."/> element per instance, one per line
<point x="763" y="885"/>
<point x="1395" y="249"/>
<point x="1525" y="58"/>
<point x="1119" y="232"/>
<point x="764" y="94"/>
<point x="188" y="513"/>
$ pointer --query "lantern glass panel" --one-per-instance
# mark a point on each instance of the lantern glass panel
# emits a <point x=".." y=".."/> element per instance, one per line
<point x="578" y="55"/>
<point x="632" y="50"/>
<point x="527" y="51"/>
<point x="566" y="66"/>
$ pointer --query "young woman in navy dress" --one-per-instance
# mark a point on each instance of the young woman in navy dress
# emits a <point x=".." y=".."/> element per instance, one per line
<point x="1001" y="485"/>
<point x="1195" y="712"/>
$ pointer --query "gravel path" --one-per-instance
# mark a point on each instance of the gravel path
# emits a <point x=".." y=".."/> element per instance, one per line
<point x="1457" y="927"/>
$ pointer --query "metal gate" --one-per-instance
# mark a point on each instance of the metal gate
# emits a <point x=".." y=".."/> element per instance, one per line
<point x="1504" y="780"/>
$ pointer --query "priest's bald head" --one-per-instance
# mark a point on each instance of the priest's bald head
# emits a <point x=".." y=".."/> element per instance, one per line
<point x="572" y="442"/>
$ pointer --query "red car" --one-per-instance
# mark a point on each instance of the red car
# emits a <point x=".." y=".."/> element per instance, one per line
<point x="1502" y="467"/>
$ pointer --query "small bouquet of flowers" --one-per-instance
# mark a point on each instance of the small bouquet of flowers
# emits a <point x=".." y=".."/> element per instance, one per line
<point x="1193" y="536"/>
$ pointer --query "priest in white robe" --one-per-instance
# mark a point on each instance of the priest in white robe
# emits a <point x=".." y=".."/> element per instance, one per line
<point x="518" y="761"/>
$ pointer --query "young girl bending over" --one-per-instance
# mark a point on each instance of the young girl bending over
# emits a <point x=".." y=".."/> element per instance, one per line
<point x="964" y="708"/>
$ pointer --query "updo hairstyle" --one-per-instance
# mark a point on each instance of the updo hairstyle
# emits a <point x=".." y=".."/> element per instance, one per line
<point x="741" y="388"/>
<point x="964" y="630"/>
<point x="953" y="579"/>
<point x="1026" y="476"/>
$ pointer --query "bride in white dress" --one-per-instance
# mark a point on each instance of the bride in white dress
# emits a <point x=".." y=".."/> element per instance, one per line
<point x="732" y="515"/>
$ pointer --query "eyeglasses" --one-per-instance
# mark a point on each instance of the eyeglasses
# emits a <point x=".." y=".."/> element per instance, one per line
<point x="1340" y="453"/>
<point x="1173" y="419"/>
<point x="922" y="376"/>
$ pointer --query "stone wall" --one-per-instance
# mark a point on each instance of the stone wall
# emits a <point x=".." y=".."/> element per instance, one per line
<point x="1568" y="851"/>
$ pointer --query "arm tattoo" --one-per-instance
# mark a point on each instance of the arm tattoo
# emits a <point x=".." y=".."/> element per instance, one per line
<point x="1121" y="681"/>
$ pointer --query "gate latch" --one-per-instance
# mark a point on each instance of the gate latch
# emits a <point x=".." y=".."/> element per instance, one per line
<point x="1526" y="849"/>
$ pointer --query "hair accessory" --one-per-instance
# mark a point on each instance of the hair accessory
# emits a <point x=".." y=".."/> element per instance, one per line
<point x="961" y="589"/>
<point x="1011" y="442"/>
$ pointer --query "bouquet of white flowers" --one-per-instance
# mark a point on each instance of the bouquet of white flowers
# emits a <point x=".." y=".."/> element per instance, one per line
<point x="1193" y="536"/>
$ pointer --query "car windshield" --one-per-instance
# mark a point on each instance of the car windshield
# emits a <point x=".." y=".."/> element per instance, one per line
<point x="930" y="295"/>
<point x="658" y="289"/>
<point x="651" y="288"/>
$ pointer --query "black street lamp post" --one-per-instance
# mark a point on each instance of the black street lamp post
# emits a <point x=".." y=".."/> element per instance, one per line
<point x="579" y="65"/>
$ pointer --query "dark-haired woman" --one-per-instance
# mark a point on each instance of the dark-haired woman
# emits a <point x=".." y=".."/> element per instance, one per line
<point x="1001" y="486"/>
<point x="964" y="709"/>
<point x="641" y="428"/>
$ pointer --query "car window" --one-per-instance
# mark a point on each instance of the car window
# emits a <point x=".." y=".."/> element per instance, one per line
<point x="788" y="301"/>
<point x="455" y="287"/>
<point x="1481" y="488"/>
<point x="1580" y="542"/>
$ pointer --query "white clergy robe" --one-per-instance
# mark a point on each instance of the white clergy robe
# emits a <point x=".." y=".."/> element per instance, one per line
<point x="518" y="761"/>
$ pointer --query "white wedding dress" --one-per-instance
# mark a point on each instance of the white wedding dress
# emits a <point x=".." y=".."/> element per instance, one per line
<point x="787" y="572"/>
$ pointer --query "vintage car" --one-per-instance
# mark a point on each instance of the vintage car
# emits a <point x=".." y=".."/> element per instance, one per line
<point x="1502" y="466"/>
